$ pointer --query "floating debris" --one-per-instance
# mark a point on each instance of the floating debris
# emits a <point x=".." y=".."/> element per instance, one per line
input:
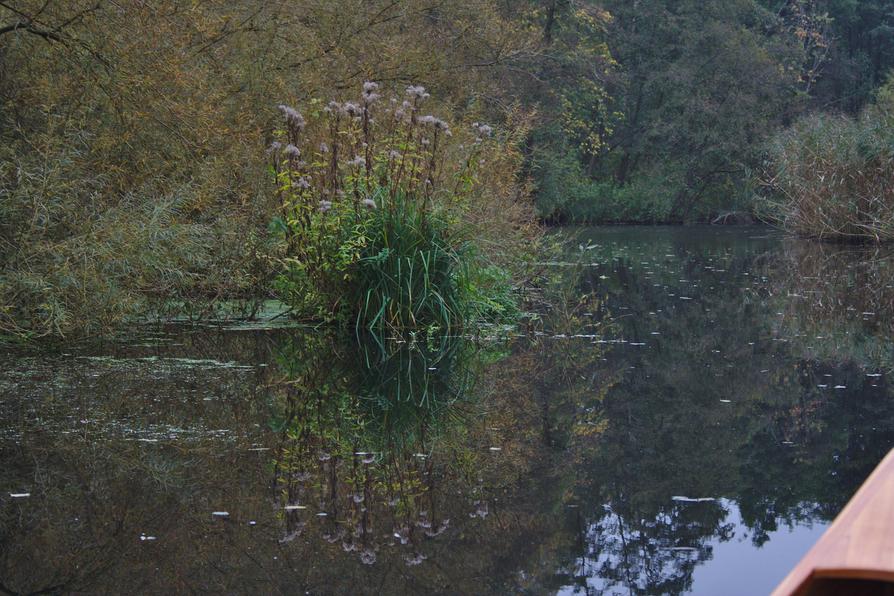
<point x="19" y="495"/>
<point x="693" y="499"/>
<point x="220" y="514"/>
<point x="368" y="557"/>
<point x="294" y="507"/>
<point x="292" y="535"/>
<point x="481" y="509"/>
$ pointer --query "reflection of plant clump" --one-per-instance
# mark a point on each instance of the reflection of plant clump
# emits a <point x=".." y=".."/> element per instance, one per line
<point x="364" y="189"/>
<point x="361" y="451"/>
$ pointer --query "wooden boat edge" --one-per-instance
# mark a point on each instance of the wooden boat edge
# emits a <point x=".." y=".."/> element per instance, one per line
<point x="811" y="568"/>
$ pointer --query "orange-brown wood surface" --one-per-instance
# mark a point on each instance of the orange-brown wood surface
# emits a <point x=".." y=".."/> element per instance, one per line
<point x="859" y="545"/>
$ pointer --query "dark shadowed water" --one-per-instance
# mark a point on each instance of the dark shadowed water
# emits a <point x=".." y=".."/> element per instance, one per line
<point x="694" y="409"/>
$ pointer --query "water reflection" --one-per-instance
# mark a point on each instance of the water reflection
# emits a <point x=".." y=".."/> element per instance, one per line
<point x="701" y="404"/>
<point x="726" y="395"/>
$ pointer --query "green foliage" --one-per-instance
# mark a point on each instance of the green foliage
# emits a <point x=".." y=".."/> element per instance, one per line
<point x="566" y="194"/>
<point x="675" y="119"/>
<point x="409" y="274"/>
<point x="860" y="55"/>
<point x="832" y="177"/>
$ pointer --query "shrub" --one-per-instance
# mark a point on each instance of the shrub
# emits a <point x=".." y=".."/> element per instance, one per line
<point x="832" y="177"/>
<point x="365" y="190"/>
<point x="566" y="193"/>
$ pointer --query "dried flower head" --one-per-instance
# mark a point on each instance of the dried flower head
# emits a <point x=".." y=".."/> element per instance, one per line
<point x="437" y="123"/>
<point x="417" y="92"/>
<point x="369" y="91"/>
<point x="324" y="148"/>
<point x="303" y="182"/>
<point x="325" y="206"/>
<point x="293" y="116"/>
<point x="482" y="130"/>
<point x="274" y="147"/>
<point x="369" y="203"/>
<point x="357" y="161"/>
<point x="351" y="109"/>
<point x="292" y="152"/>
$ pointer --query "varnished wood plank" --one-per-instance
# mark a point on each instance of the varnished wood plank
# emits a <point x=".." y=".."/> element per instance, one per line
<point x="859" y="545"/>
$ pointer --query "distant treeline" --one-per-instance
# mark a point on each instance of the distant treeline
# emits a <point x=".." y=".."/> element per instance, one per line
<point x="693" y="93"/>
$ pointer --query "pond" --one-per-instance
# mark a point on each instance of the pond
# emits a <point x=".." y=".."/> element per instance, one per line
<point x="692" y="409"/>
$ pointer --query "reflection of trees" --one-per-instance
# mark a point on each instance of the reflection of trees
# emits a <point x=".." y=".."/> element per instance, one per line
<point x="651" y="556"/>
<point x="838" y="301"/>
<point x="350" y="425"/>
<point x="782" y="448"/>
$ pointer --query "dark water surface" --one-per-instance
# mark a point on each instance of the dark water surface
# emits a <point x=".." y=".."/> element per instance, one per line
<point x="704" y="402"/>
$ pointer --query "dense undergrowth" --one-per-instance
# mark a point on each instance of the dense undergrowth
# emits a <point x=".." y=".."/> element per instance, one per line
<point x="133" y="178"/>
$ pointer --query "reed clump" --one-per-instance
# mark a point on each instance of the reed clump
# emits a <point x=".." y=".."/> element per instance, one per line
<point x="831" y="177"/>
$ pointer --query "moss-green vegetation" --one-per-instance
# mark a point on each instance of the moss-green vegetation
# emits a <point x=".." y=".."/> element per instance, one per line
<point x="692" y="94"/>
